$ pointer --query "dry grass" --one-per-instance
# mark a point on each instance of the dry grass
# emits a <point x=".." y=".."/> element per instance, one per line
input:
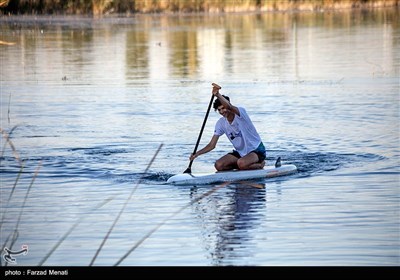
<point x="14" y="235"/>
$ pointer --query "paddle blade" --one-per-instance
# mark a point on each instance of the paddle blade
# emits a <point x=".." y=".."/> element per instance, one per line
<point x="188" y="170"/>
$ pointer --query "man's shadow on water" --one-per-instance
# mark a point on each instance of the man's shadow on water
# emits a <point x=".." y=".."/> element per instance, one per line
<point x="229" y="218"/>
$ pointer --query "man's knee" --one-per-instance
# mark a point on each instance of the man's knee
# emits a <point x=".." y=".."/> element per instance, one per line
<point x="219" y="166"/>
<point x="242" y="164"/>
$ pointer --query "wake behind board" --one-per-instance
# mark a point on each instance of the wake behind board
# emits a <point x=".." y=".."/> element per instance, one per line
<point x="230" y="176"/>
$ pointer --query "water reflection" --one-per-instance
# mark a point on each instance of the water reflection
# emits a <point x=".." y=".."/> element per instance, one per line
<point x="137" y="55"/>
<point x="228" y="219"/>
<point x="202" y="46"/>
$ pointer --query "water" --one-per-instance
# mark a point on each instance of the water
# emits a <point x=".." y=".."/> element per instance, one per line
<point x="93" y="99"/>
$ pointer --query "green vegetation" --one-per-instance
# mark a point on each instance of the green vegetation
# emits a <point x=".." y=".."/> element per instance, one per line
<point x="103" y="7"/>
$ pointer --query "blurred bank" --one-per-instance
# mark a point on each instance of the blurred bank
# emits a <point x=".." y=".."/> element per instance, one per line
<point x="105" y="7"/>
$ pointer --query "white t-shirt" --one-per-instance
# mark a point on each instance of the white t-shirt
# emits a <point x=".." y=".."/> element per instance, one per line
<point x="241" y="132"/>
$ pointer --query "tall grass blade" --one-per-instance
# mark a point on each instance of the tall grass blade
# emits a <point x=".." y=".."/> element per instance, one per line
<point x="167" y="219"/>
<point x="9" y="105"/>
<point x="16" y="234"/>
<point x="123" y="208"/>
<point x="27" y="194"/>
<point x="70" y="230"/>
<point x="11" y="194"/>
<point x="9" y="142"/>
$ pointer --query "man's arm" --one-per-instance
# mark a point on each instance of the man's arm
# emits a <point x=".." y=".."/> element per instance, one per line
<point x="209" y="147"/>
<point x="225" y="102"/>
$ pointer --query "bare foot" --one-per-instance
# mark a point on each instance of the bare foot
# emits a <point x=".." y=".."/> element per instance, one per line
<point x="257" y="165"/>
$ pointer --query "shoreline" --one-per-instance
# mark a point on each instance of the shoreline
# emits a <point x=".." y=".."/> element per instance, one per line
<point x="180" y="7"/>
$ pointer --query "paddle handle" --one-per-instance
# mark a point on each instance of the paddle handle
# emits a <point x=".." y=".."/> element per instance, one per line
<point x="188" y="170"/>
<point x="216" y="86"/>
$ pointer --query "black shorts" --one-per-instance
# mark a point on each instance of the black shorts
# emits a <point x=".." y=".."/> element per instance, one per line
<point x="260" y="151"/>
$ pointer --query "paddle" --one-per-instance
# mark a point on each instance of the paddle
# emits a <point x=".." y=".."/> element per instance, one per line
<point x="189" y="169"/>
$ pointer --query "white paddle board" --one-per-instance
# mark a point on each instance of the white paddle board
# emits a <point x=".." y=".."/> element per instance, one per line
<point x="230" y="176"/>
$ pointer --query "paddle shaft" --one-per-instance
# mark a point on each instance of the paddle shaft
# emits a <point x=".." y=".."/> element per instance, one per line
<point x="215" y="86"/>
<point x="188" y="170"/>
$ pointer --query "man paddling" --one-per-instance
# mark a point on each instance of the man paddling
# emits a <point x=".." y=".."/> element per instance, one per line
<point x="249" y="151"/>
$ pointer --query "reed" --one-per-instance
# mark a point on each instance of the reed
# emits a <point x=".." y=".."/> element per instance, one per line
<point x="24" y="203"/>
<point x="54" y="248"/>
<point x="15" y="234"/>
<point x="8" y="111"/>
<point x="124" y="206"/>
<point x="147" y="235"/>
<point x="61" y="240"/>
<point x="6" y="136"/>
<point x="11" y="194"/>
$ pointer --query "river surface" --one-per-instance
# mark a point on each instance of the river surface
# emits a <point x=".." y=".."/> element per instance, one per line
<point x="86" y="104"/>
